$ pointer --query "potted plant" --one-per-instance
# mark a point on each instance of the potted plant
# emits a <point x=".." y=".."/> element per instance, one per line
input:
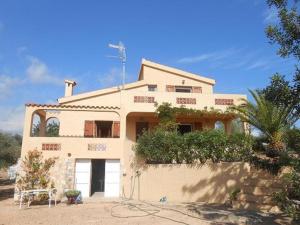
<point x="73" y="196"/>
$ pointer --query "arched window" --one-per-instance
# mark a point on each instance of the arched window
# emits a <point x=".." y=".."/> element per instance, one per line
<point x="237" y="126"/>
<point x="35" y="125"/>
<point x="219" y="125"/>
<point x="52" y="127"/>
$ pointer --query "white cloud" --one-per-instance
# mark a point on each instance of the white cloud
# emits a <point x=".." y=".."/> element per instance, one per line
<point x="270" y="15"/>
<point x="259" y="64"/>
<point x="234" y="58"/>
<point x="211" y="56"/>
<point x="12" y="119"/>
<point x="195" y="59"/>
<point x="38" y="72"/>
<point x="7" y="84"/>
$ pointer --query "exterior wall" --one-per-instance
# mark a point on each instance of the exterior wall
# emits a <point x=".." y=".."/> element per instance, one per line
<point x="108" y="99"/>
<point x="72" y="122"/>
<point x="211" y="182"/>
<point x="162" y="78"/>
<point x="72" y="148"/>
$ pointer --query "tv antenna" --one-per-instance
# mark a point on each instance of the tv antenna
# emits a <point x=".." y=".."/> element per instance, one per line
<point x="122" y="57"/>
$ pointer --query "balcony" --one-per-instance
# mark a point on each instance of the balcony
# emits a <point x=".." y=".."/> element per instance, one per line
<point x="143" y="101"/>
<point x="75" y="147"/>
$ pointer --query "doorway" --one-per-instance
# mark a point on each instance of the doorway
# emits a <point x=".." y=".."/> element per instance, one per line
<point x="184" y="128"/>
<point x="98" y="176"/>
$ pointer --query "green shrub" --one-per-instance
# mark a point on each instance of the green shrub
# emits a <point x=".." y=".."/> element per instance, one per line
<point x="10" y="149"/>
<point x="286" y="198"/>
<point x="292" y="139"/>
<point x="161" y="146"/>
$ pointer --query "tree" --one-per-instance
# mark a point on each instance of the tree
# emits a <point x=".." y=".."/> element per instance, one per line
<point x="35" y="171"/>
<point x="287" y="33"/>
<point x="52" y="129"/>
<point x="280" y="92"/>
<point x="272" y="120"/>
<point x="10" y="149"/>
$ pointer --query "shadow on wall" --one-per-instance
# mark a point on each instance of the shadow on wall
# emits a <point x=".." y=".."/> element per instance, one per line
<point x="220" y="180"/>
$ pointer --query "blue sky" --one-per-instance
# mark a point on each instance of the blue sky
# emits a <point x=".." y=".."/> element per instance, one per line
<point x="42" y="42"/>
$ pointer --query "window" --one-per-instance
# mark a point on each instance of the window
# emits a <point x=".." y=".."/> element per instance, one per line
<point x="102" y="129"/>
<point x="184" y="128"/>
<point x="183" y="89"/>
<point x="219" y="126"/>
<point x="152" y="87"/>
<point x="140" y="128"/>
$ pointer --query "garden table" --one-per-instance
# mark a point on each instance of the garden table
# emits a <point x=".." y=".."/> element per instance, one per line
<point x="35" y="192"/>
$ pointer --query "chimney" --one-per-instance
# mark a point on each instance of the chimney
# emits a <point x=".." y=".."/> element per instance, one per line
<point x="69" y="84"/>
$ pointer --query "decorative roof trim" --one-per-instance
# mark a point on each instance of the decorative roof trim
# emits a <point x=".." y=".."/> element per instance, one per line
<point x="71" y="106"/>
<point x="100" y="92"/>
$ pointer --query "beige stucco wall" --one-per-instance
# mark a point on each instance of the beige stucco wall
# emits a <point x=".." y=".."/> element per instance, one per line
<point x="72" y="122"/>
<point x="184" y="183"/>
<point x="210" y="182"/>
<point x="163" y="78"/>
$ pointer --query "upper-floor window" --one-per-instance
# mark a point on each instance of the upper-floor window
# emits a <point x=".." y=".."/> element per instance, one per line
<point x="183" y="89"/>
<point x="152" y="87"/>
<point x="102" y="129"/>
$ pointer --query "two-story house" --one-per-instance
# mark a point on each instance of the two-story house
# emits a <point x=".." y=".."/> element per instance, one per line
<point x="97" y="129"/>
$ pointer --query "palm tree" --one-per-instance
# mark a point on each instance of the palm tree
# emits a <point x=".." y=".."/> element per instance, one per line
<point x="273" y="121"/>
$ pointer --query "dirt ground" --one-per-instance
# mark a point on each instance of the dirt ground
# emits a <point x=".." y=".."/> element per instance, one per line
<point x="97" y="211"/>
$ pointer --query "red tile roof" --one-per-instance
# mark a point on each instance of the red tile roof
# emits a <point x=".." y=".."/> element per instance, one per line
<point x="71" y="106"/>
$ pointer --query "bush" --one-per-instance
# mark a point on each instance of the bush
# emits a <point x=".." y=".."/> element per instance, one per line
<point x="36" y="171"/>
<point x="287" y="197"/>
<point x="10" y="149"/>
<point x="292" y="139"/>
<point x="161" y="146"/>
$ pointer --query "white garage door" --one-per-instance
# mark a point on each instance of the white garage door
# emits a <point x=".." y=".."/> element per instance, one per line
<point x="112" y="178"/>
<point x="83" y="176"/>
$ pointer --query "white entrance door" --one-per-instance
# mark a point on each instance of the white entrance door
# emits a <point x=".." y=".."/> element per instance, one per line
<point x="112" y="178"/>
<point x="83" y="176"/>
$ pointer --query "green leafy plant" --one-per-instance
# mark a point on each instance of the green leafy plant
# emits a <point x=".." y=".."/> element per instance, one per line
<point x="233" y="194"/>
<point x="72" y="193"/>
<point x="36" y="171"/>
<point x="72" y="196"/>
<point x="160" y="146"/>
<point x="10" y="149"/>
<point x="288" y="199"/>
<point x="273" y="121"/>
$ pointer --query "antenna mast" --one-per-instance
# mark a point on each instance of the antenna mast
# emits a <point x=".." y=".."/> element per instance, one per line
<point x="122" y="57"/>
